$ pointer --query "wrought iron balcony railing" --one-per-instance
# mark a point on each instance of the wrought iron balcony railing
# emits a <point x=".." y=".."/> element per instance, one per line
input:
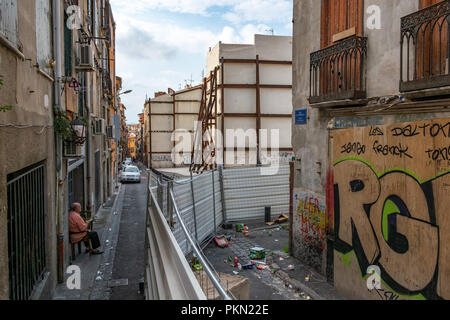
<point x="338" y="72"/>
<point x="425" y="48"/>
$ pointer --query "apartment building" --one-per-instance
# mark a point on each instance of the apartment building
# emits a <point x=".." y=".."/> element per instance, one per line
<point x="57" y="94"/>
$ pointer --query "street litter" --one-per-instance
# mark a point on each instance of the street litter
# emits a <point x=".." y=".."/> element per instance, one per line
<point x="239" y="227"/>
<point x="195" y="264"/>
<point x="248" y="266"/>
<point x="257" y="253"/>
<point x="261" y="267"/>
<point x="235" y="273"/>
<point x="236" y="262"/>
<point x="221" y="241"/>
<point x="283" y="218"/>
<point x="291" y="267"/>
<point x="257" y="262"/>
<point x="281" y="259"/>
<point x="98" y="278"/>
<point x="307" y="279"/>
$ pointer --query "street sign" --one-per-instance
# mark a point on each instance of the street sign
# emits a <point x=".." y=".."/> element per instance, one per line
<point x="301" y="116"/>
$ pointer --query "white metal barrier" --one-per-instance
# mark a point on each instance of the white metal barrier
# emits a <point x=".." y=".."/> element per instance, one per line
<point x="168" y="274"/>
<point x="247" y="191"/>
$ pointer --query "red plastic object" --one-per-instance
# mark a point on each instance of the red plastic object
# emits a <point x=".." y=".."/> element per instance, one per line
<point x="221" y="241"/>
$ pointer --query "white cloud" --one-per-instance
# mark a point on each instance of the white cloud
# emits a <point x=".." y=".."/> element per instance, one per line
<point x="241" y="11"/>
<point x="154" y="55"/>
<point x="266" y="11"/>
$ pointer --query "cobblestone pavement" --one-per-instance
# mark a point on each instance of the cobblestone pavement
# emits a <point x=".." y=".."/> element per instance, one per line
<point x="279" y="281"/>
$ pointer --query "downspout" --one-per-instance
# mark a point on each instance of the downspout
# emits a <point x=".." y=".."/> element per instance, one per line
<point x="88" y="149"/>
<point x="57" y="27"/>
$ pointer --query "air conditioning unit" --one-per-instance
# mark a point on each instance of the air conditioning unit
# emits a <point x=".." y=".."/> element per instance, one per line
<point x="85" y="61"/>
<point x="100" y="127"/>
<point x="72" y="150"/>
<point x="110" y="132"/>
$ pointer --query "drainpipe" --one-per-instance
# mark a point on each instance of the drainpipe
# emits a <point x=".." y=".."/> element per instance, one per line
<point x="88" y="151"/>
<point x="57" y="27"/>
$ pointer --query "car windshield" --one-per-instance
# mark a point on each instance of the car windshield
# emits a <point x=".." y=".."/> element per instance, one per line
<point x="131" y="169"/>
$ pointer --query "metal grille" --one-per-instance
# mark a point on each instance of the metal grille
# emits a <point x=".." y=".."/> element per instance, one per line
<point x="425" y="48"/>
<point x="26" y="232"/>
<point x="338" y="72"/>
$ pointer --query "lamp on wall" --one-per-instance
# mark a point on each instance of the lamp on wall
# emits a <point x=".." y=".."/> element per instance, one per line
<point x="79" y="131"/>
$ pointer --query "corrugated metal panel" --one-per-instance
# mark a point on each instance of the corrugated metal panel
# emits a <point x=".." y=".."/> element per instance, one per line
<point x="8" y="20"/>
<point x="203" y="195"/>
<point x="44" y="34"/>
<point x="248" y="191"/>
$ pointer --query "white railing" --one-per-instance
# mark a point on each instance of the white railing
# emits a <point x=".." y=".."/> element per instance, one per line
<point x="168" y="274"/>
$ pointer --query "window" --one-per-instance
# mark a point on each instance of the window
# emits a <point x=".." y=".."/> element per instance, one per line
<point x="26" y="230"/>
<point x="337" y="71"/>
<point x="340" y="18"/>
<point x="432" y="45"/>
<point x="43" y="34"/>
<point x="8" y="21"/>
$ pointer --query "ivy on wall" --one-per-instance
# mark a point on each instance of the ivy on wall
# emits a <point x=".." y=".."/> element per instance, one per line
<point x="7" y="107"/>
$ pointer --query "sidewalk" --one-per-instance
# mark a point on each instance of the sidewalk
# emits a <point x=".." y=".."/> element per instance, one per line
<point x="96" y="271"/>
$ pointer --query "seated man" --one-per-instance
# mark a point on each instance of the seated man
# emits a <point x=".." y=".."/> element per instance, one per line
<point x="79" y="230"/>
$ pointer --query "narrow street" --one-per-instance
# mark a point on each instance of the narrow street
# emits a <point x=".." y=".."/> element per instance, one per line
<point x="297" y="150"/>
<point x="128" y="267"/>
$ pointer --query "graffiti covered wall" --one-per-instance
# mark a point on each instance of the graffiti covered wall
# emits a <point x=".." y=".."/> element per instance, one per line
<point x="310" y="223"/>
<point x="391" y="210"/>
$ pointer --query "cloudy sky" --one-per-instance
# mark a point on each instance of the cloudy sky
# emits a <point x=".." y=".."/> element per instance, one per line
<point x="163" y="43"/>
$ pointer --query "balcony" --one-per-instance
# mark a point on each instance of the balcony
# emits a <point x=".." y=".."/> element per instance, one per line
<point x="338" y="72"/>
<point x="425" y="48"/>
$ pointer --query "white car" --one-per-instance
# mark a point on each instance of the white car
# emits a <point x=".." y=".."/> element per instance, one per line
<point x="131" y="174"/>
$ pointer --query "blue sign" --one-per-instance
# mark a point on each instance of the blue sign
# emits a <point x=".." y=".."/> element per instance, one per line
<point x="301" y="116"/>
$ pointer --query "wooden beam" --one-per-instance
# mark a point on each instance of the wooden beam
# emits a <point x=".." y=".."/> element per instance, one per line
<point x="258" y="111"/>
<point x="222" y="87"/>
<point x="253" y="86"/>
<point x="163" y="102"/>
<point x="252" y="115"/>
<point x="173" y="125"/>
<point x="254" y="61"/>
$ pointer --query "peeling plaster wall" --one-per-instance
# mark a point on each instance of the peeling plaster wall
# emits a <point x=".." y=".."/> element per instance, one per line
<point x="31" y="95"/>
<point x="315" y="172"/>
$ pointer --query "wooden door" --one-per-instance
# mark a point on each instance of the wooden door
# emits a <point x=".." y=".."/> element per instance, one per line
<point x="341" y="73"/>
<point x="340" y="18"/>
<point x="432" y="45"/>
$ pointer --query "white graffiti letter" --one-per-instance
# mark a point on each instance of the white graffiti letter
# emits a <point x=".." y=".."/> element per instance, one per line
<point x="374" y="19"/>
<point x="74" y="19"/>
<point x="374" y="280"/>
<point x="74" y="281"/>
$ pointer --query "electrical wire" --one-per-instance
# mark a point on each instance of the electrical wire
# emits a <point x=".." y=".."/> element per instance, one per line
<point x="18" y="126"/>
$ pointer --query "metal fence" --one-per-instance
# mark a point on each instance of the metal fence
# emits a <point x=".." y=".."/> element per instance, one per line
<point x="247" y="191"/>
<point x="200" y="203"/>
<point x="26" y="231"/>
<point x="168" y="275"/>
